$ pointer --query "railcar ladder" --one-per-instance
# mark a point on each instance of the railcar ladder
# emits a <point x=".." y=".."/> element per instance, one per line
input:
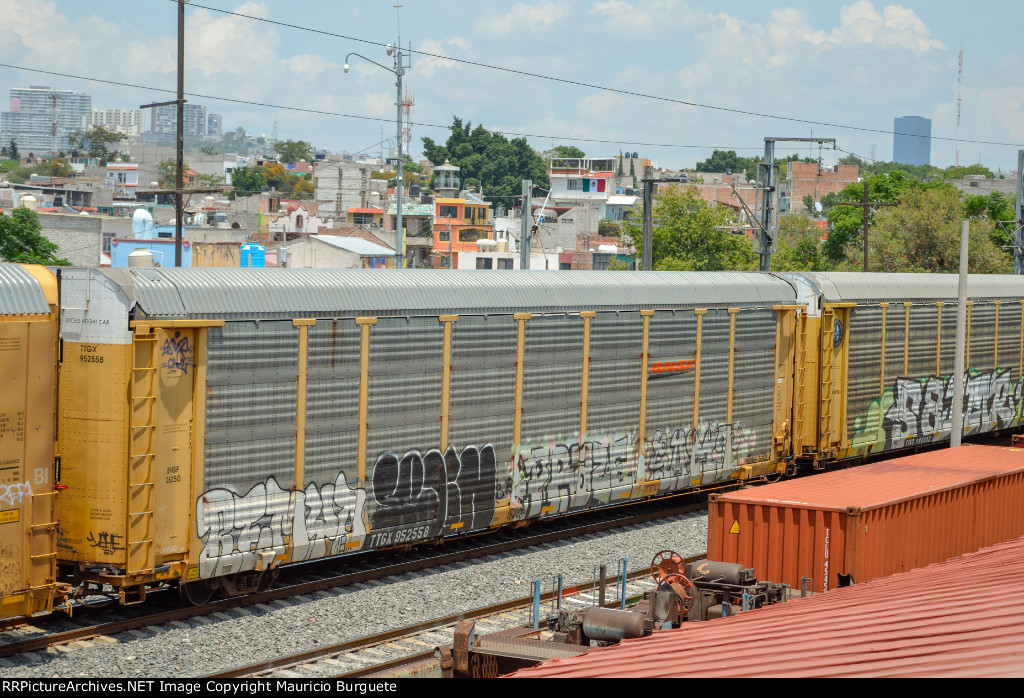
<point x="825" y="398"/>
<point x="139" y="542"/>
<point x="43" y="553"/>
<point x="800" y="389"/>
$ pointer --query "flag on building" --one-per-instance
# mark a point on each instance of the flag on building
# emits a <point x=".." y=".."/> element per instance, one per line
<point x="593" y="185"/>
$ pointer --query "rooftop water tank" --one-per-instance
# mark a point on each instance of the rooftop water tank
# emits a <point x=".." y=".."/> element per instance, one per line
<point x="253" y="255"/>
<point x="607" y="249"/>
<point x="502" y="246"/>
<point x="29" y="202"/>
<point x="140" y="258"/>
<point x="486" y="245"/>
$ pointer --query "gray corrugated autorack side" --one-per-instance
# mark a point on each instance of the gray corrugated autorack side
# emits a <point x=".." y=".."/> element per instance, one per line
<point x="300" y="414"/>
<point x="215" y="424"/>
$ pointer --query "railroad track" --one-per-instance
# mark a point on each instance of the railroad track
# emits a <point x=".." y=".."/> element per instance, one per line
<point x="90" y="623"/>
<point x="380" y="654"/>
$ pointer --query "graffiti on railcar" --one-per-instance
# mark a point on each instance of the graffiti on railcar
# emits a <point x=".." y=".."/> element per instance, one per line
<point x="178" y="354"/>
<point x="915" y="411"/>
<point x="108" y="542"/>
<point x="11" y="573"/>
<point x="237" y="529"/>
<point x="561" y="477"/>
<point x="456" y="489"/>
<point x="683" y="455"/>
<point x="416" y="495"/>
<point x="15" y="493"/>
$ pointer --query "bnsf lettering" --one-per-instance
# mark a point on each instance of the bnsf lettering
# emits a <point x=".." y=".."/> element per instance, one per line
<point x="672" y="366"/>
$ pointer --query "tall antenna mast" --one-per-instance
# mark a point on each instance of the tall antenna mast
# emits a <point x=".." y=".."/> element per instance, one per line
<point x="53" y="124"/>
<point x="959" y="81"/>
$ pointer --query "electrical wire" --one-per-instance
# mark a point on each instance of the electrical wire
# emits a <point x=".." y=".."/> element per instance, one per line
<point x="321" y="112"/>
<point x="603" y="88"/>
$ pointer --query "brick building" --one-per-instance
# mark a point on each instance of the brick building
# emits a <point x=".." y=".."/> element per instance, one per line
<point x="807" y="179"/>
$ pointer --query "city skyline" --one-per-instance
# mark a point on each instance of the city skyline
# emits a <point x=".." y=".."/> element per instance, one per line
<point x="684" y="78"/>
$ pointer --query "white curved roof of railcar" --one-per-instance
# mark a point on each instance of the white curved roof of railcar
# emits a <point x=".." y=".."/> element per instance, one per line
<point x="20" y="292"/>
<point x="265" y="293"/>
<point x="838" y="287"/>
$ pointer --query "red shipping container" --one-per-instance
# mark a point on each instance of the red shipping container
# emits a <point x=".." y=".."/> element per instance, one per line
<point x="873" y="520"/>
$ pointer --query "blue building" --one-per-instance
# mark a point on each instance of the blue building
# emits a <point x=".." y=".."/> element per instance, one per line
<point x="912" y="140"/>
<point x="162" y="249"/>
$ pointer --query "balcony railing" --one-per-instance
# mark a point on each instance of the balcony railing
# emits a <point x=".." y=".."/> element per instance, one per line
<point x="447" y="183"/>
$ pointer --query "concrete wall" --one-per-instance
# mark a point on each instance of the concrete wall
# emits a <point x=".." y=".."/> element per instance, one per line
<point x="311" y="254"/>
<point x="340" y="186"/>
<point x="78" y="238"/>
<point x="980" y="185"/>
<point x="216" y="254"/>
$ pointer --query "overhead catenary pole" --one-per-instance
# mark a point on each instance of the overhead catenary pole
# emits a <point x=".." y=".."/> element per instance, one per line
<point x="399" y="186"/>
<point x="179" y="202"/>
<point x="764" y="238"/>
<point x="1018" y="223"/>
<point x="527" y="220"/>
<point x="961" y="342"/>
<point x="648" y="218"/>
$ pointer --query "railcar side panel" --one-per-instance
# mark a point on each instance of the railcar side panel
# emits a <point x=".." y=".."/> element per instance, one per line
<point x="28" y="501"/>
<point x="94" y="428"/>
<point x="481" y="411"/>
<point x="901" y="372"/>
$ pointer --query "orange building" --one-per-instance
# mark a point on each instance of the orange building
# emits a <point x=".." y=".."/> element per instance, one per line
<point x="458" y="224"/>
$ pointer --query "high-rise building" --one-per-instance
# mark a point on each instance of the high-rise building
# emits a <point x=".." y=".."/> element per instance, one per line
<point x="912" y="140"/>
<point x="41" y="118"/>
<point x="126" y="121"/>
<point x="214" y="126"/>
<point x="165" y="120"/>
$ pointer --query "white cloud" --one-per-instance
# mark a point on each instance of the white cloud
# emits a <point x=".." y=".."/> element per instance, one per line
<point x="307" y="65"/>
<point x="379" y="103"/>
<point x="427" y="66"/>
<point x="647" y="16"/>
<point x="537" y="17"/>
<point x="861" y="23"/>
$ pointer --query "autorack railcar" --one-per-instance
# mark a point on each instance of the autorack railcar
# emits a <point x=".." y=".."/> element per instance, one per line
<point x="215" y="424"/>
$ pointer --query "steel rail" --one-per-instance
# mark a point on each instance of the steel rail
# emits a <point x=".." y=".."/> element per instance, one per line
<point x="468" y="549"/>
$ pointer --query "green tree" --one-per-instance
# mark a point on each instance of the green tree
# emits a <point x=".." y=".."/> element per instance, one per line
<point x="565" y="151"/>
<point x="799" y="245"/>
<point x="690" y="235"/>
<point x="847" y="222"/>
<point x="167" y="173"/>
<point x="56" y="167"/>
<point x="246" y="181"/>
<point x="22" y="241"/>
<point x="922" y="234"/>
<point x="961" y="172"/>
<point x="489" y="159"/>
<point x="12" y="151"/>
<point x="293" y="151"/>
<point x="96" y="142"/>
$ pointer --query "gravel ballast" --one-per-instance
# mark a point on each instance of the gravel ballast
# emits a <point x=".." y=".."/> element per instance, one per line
<point x="223" y="641"/>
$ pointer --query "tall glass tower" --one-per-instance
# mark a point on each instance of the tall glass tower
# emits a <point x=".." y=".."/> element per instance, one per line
<point x="912" y="140"/>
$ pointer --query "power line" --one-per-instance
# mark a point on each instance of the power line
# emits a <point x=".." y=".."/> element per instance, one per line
<point x="603" y="88"/>
<point x="321" y="112"/>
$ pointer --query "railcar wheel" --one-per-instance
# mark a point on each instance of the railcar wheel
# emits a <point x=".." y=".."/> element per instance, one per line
<point x="196" y="593"/>
<point x="266" y="580"/>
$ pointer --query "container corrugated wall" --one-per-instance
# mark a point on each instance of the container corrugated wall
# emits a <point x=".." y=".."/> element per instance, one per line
<point x="798" y="529"/>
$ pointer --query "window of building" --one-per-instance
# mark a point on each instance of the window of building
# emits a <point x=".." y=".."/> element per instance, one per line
<point x="107" y="237"/>
<point x="574" y="184"/>
<point x="505" y="264"/>
<point x="363" y="218"/>
<point x="449" y="212"/>
<point x="565" y="220"/>
<point x="445" y="262"/>
<point x="484" y="263"/>
<point x="564" y="266"/>
<point x="443" y="235"/>
<point x="470" y="235"/>
<point x="601" y="261"/>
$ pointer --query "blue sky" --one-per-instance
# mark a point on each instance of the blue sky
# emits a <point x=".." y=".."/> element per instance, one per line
<point x="713" y="74"/>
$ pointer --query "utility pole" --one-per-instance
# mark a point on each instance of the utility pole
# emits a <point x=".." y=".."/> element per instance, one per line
<point x="179" y="205"/>
<point x="648" y="218"/>
<point x="1018" y="223"/>
<point x="648" y="233"/>
<point x="866" y="206"/>
<point x="765" y="243"/>
<point x="524" y="233"/>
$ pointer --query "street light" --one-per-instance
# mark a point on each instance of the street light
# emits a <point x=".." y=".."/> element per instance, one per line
<point x="399" y="71"/>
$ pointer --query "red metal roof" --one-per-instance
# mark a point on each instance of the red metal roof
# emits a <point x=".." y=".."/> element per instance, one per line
<point x="959" y="618"/>
<point x="886" y="482"/>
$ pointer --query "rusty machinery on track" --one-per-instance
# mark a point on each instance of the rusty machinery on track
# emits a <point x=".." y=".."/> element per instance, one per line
<point x="685" y="592"/>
